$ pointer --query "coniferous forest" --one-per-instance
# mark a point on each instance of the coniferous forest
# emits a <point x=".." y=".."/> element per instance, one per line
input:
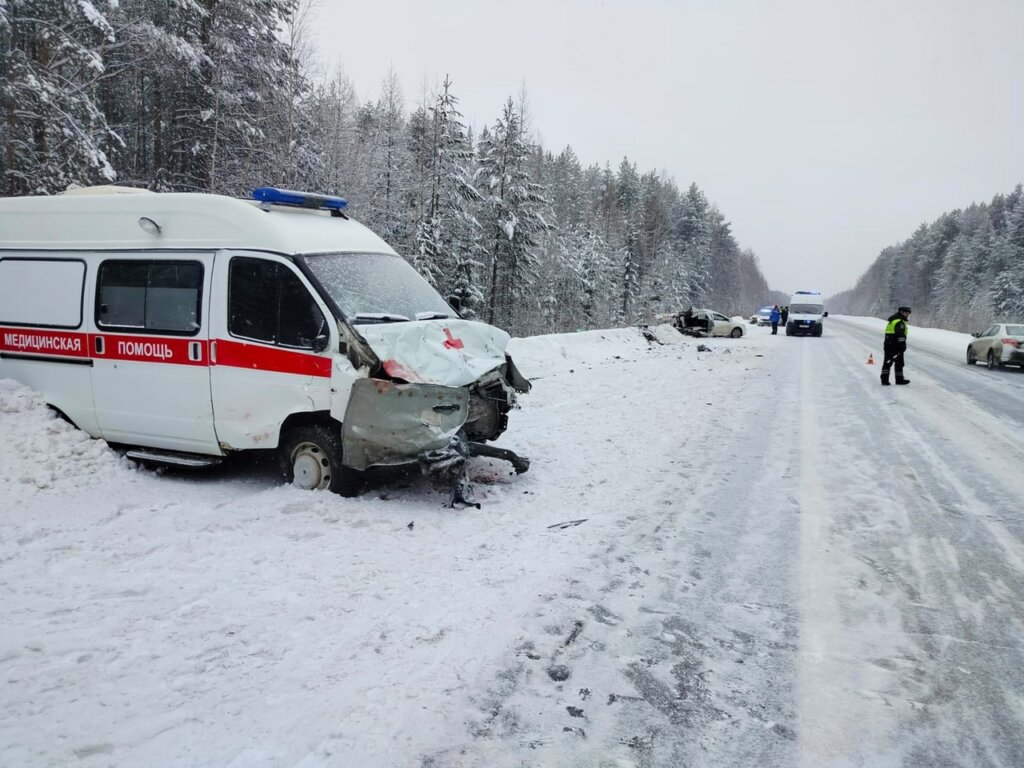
<point x="225" y="95"/>
<point x="963" y="272"/>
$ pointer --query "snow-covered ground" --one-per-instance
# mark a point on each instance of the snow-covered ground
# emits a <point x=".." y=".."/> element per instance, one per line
<point x="748" y="556"/>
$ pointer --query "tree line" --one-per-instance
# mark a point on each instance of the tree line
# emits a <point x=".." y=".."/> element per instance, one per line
<point x="223" y="96"/>
<point x="963" y="271"/>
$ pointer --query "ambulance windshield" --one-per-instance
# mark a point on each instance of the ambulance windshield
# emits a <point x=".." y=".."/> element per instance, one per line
<point x="806" y="309"/>
<point x="377" y="287"/>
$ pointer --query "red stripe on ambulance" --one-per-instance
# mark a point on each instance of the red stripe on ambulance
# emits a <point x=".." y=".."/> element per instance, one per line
<point x="52" y="343"/>
<point x="256" y="357"/>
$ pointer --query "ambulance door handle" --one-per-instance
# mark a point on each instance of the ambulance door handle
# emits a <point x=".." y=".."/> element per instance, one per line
<point x="213" y="353"/>
<point x="195" y="353"/>
<point x="98" y="344"/>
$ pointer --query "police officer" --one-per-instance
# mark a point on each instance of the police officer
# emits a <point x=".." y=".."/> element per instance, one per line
<point x="896" y="345"/>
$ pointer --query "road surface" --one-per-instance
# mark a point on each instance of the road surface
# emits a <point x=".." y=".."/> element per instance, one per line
<point x="753" y="555"/>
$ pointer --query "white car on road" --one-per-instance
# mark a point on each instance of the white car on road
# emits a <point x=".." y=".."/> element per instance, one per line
<point x="1000" y="345"/>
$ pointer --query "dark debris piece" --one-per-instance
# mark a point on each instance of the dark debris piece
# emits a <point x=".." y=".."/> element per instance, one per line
<point x="559" y="673"/>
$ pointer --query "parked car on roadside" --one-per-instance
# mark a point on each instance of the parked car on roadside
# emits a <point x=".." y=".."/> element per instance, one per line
<point x="764" y="316"/>
<point x="999" y="345"/>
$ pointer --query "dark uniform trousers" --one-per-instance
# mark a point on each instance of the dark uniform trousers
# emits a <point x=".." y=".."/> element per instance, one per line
<point x="893" y="357"/>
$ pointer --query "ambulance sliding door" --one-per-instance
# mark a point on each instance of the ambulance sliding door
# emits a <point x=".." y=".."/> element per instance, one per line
<point x="151" y="371"/>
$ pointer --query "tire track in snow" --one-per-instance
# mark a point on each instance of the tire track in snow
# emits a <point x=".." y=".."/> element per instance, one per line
<point x="679" y="640"/>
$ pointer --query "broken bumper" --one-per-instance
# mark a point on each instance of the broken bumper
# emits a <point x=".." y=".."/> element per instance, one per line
<point x="390" y="424"/>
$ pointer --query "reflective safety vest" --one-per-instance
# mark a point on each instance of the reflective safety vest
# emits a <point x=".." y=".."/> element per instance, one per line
<point x="890" y="329"/>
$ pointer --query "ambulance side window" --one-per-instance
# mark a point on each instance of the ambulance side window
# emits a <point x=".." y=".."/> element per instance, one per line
<point x="267" y="302"/>
<point x="251" y="298"/>
<point x="150" y="296"/>
<point x="24" y="280"/>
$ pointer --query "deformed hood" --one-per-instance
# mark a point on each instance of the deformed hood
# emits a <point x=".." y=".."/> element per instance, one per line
<point x="450" y="352"/>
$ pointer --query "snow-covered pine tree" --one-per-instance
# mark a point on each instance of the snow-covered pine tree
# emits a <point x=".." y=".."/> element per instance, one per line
<point x="970" y="302"/>
<point x="53" y="133"/>
<point x="693" y="232"/>
<point x="1007" y="291"/>
<point x="566" y="191"/>
<point x="206" y="93"/>
<point x="724" y="259"/>
<point x="597" y="275"/>
<point x="250" y="85"/>
<point x="511" y="218"/>
<point x="302" y="157"/>
<point x="447" y="248"/>
<point x="387" y="165"/>
<point x="333" y="107"/>
<point x="627" y="197"/>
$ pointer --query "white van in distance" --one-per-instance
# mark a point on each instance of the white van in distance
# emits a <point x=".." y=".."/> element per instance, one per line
<point x="190" y="326"/>
<point x="806" y="313"/>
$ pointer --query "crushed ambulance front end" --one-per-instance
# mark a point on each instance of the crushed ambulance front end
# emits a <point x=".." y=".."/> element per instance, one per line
<point x="439" y="390"/>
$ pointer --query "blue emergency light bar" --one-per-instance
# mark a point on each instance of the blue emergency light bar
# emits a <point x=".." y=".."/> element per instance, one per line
<point x="299" y="199"/>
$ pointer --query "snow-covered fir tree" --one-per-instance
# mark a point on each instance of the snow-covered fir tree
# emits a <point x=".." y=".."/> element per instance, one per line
<point x="961" y="272"/>
<point x="224" y="95"/>
<point x="511" y="218"/>
<point x="54" y="133"/>
<point x="387" y="165"/>
<point x="448" y="248"/>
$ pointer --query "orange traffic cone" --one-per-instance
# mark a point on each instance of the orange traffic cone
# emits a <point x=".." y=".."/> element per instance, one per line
<point x="871" y="358"/>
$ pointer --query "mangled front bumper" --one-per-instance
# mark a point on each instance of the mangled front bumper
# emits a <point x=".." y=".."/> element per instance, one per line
<point x="388" y="423"/>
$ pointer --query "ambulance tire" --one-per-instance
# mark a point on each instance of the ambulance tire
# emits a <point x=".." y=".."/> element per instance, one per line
<point x="311" y="459"/>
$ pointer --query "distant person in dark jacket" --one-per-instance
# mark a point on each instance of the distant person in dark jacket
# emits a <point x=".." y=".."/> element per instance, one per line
<point x="774" y="317"/>
<point x="785" y="316"/>
<point x="896" y="345"/>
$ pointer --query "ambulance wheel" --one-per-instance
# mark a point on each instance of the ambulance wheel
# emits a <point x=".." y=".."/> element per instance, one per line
<point x="312" y="461"/>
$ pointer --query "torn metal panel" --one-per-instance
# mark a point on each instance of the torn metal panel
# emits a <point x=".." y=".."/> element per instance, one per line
<point x="388" y="423"/>
<point x="451" y="351"/>
<point x="515" y="378"/>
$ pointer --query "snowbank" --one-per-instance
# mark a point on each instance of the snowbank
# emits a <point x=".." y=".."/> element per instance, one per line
<point x="42" y="451"/>
<point x="935" y="339"/>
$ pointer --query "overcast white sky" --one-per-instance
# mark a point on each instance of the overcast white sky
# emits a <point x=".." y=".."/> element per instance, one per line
<point x="824" y="129"/>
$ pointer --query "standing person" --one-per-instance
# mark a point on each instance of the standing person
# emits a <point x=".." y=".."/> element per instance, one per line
<point x="785" y="316"/>
<point x="896" y="345"/>
<point x="774" y="317"/>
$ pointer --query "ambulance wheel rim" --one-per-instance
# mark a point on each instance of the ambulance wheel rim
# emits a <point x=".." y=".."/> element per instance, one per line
<point x="310" y="467"/>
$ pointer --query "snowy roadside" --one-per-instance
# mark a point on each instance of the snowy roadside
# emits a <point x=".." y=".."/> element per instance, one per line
<point x="225" y="619"/>
<point x="948" y="343"/>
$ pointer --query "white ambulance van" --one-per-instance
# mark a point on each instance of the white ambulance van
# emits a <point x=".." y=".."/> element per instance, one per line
<point x="186" y="327"/>
<point x="806" y="313"/>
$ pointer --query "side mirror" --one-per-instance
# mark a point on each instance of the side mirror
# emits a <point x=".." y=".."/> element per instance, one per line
<point x="455" y="302"/>
<point x="320" y="343"/>
<point x="825" y="314"/>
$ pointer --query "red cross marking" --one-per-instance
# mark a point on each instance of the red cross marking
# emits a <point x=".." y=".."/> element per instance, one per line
<point x="451" y="342"/>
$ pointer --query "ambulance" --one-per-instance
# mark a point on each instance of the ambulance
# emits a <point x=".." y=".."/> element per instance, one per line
<point x="806" y="314"/>
<point x="187" y="327"/>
